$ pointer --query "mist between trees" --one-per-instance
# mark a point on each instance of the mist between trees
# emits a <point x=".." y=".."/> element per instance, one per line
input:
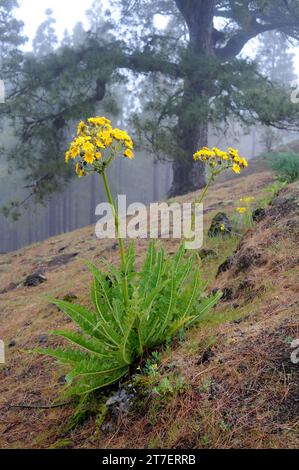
<point x="175" y="87"/>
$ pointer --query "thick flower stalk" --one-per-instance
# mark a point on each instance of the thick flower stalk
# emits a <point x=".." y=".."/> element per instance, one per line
<point x="97" y="144"/>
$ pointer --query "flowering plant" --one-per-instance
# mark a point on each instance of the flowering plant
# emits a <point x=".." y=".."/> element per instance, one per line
<point x="219" y="161"/>
<point x="133" y="311"/>
<point x="97" y="144"/>
<point x="245" y="211"/>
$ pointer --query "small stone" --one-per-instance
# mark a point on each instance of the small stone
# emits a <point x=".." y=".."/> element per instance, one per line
<point x="246" y="284"/>
<point x="215" y="291"/>
<point x="108" y="428"/>
<point x="227" y="294"/>
<point x="220" y="222"/>
<point x="34" y="280"/>
<point x="206" y="356"/>
<point x="61" y="380"/>
<point x="12" y="343"/>
<point x="225" y="266"/>
<point x="258" y="214"/>
<point x="206" y="253"/>
<point x="42" y="339"/>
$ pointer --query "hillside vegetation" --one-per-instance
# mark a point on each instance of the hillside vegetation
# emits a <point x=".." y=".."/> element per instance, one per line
<point x="228" y="383"/>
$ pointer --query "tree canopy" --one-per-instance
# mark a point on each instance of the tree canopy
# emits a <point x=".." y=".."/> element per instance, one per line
<point x="193" y="63"/>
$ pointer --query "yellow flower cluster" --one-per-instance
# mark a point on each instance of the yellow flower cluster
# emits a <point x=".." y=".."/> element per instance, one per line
<point x="241" y="210"/>
<point x="220" y="160"/>
<point x="247" y="200"/>
<point x="93" y="140"/>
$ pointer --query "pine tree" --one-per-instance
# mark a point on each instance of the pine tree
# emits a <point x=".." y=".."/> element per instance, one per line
<point x="67" y="39"/>
<point x="79" y="35"/>
<point x="197" y="57"/>
<point x="45" y="39"/>
<point x="275" y="59"/>
<point x="10" y="29"/>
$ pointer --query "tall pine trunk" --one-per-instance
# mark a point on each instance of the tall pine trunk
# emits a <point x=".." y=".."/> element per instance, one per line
<point x="192" y="129"/>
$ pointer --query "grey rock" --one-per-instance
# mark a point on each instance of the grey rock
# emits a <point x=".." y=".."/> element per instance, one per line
<point x="34" y="280"/>
<point x="220" y="219"/>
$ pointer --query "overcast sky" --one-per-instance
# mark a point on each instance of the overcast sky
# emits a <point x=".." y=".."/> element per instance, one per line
<point x="67" y="13"/>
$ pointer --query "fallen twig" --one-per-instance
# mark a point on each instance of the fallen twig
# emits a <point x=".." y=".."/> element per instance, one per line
<point x="42" y="407"/>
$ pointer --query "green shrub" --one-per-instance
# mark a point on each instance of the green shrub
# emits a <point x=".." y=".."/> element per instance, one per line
<point x="165" y="296"/>
<point x="285" y="165"/>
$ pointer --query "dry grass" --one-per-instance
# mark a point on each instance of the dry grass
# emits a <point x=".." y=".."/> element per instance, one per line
<point x="244" y="396"/>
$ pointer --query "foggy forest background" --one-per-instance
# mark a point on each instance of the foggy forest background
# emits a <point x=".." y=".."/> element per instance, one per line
<point x="72" y="204"/>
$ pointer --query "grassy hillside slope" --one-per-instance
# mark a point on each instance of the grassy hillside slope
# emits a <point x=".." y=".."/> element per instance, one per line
<point x="229" y="383"/>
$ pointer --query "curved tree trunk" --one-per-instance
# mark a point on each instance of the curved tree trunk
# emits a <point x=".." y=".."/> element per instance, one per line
<point x="192" y="129"/>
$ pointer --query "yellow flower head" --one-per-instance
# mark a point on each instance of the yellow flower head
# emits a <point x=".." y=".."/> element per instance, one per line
<point x="74" y="150"/>
<point x="87" y="147"/>
<point x="81" y="127"/>
<point x="106" y="138"/>
<point x="129" y="154"/>
<point x="236" y="168"/>
<point x="219" y="160"/>
<point x="222" y="228"/>
<point x="99" y="121"/>
<point x="67" y="156"/>
<point x="96" y="143"/>
<point x="243" y="162"/>
<point x="241" y="210"/>
<point x="220" y="154"/>
<point x="233" y="153"/>
<point x="249" y="199"/>
<point x="99" y="143"/>
<point x="79" y="170"/>
<point x="89" y="158"/>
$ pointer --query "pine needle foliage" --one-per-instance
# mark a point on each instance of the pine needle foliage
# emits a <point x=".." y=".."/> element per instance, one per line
<point x="166" y="295"/>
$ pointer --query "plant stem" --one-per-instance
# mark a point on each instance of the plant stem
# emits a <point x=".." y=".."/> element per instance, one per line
<point x="203" y="194"/>
<point x="120" y="240"/>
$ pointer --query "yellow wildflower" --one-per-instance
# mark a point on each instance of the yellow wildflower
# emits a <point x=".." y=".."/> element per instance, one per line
<point x="129" y="143"/>
<point x="94" y="136"/>
<point x="129" y="154"/>
<point x="241" y="210"/>
<point x="233" y="153"/>
<point x="99" y="143"/>
<point x="75" y="150"/>
<point x="88" y="147"/>
<point x="81" y="127"/>
<point x="79" y="170"/>
<point x="67" y="156"/>
<point x="89" y="158"/>
<point x="222" y="228"/>
<point x="243" y="162"/>
<point x="220" y="154"/>
<point x="204" y="154"/>
<point x="236" y="169"/>
<point x="81" y="140"/>
<point x="118" y="134"/>
<point x="106" y="138"/>
<point x="99" y="121"/>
